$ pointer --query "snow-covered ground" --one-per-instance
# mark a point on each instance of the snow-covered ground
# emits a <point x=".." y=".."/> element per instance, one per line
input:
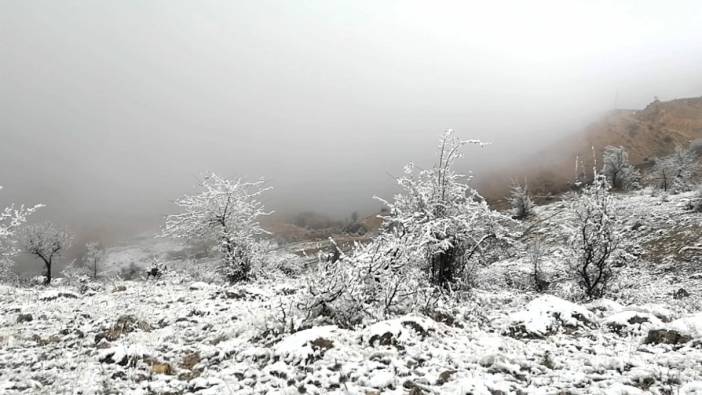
<point x="179" y="335"/>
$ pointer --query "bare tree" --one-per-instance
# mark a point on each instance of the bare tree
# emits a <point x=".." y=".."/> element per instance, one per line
<point x="619" y="172"/>
<point x="46" y="242"/>
<point x="94" y="254"/>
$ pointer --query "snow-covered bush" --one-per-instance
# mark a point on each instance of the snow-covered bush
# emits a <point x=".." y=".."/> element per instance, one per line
<point x="675" y="173"/>
<point x="11" y="218"/>
<point x="620" y="174"/>
<point x="520" y="201"/>
<point x="441" y="217"/>
<point x="535" y="254"/>
<point x="695" y="203"/>
<point x="595" y="238"/>
<point x="375" y="280"/>
<point x="227" y="212"/>
<point x="45" y="241"/>
<point x="433" y="232"/>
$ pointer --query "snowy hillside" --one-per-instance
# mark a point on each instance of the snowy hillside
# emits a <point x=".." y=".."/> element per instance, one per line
<point x="177" y="335"/>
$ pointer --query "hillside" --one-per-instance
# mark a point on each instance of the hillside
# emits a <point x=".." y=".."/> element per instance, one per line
<point x="646" y="134"/>
<point x="189" y="333"/>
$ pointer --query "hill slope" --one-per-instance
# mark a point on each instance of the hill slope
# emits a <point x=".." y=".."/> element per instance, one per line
<point x="178" y="335"/>
<point x="646" y="134"/>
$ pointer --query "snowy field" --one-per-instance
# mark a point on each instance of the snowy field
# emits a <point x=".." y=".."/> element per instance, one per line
<point x="177" y="335"/>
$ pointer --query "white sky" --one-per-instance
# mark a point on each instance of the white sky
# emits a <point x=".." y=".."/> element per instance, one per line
<point x="109" y="109"/>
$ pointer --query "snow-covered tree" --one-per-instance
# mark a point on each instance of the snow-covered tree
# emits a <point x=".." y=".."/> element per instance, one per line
<point x="227" y="212"/>
<point x="519" y="199"/>
<point x="620" y="174"/>
<point x="432" y="233"/>
<point x="675" y="173"/>
<point x="595" y="238"/>
<point x="45" y="241"/>
<point x="11" y="218"/>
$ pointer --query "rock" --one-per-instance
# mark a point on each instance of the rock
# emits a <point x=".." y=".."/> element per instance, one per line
<point x="198" y="285"/>
<point x="660" y="311"/>
<point x="307" y="345"/>
<point x="397" y="331"/>
<point x="321" y="343"/>
<point x="190" y="360"/>
<point x="161" y="368"/>
<point x="119" y="288"/>
<point x="604" y="306"/>
<point x="689" y="326"/>
<point x="24" y="318"/>
<point x="53" y="295"/>
<point x="665" y="336"/>
<point x="416" y="327"/>
<point x="445" y="377"/>
<point x="125" y="324"/>
<point x="445" y="318"/>
<point x="123" y="355"/>
<point x="547" y="315"/>
<point x="680" y="294"/>
<point x="385" y="339"/>
<point x="628" y="322"/>
<point x="414" y="388"/>
<point x="199" y="384"/>
<point x="381" y="379"/>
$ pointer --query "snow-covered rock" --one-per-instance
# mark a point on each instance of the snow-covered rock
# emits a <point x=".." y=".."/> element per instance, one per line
<point x="689" y="326"/>
<point x="199" y="285"/>
<point x="308" y="344"/>
<point x="546" y="315"/>
<point x="392" y="332"/>
<point x="631" y="322"/>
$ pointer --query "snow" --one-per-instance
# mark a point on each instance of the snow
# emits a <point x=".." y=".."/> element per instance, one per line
<point x="632" y="321"/>
<point x="199" y="285"/>
<point x="235" y="336"/>
<point x="298" y="346"/>
<point x="381" y="379"/>
<point x="690" y="326"/>
<point x="547" y="314"/>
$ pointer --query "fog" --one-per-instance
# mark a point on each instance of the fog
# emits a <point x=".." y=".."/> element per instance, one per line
<point x="109" y="110"/>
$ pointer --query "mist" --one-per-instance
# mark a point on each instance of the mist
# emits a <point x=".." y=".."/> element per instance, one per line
<point x="111" y="110"/>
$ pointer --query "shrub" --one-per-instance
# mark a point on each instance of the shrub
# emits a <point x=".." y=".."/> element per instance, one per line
<point x="432" y="233"/>
<point x="595" y="238"/>
<point x="620" y="174"/>
<point x="519" y="199"/>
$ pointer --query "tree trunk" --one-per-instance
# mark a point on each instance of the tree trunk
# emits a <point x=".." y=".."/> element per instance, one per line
<point x="444" y="267"/>
<point x="47" y="278"/>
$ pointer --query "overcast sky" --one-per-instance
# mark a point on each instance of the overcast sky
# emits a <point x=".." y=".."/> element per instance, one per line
<point x="111" y="109"/>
